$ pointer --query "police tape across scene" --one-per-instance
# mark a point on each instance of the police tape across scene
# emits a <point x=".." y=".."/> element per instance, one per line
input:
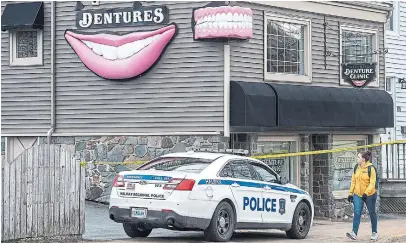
<point x="264" y="156"/>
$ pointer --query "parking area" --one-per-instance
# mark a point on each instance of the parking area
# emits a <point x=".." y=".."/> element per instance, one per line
<point x="99" y="228"/>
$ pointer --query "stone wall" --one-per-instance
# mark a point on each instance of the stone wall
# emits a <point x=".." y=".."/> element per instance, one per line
<point x="3" y="149"/>
<point x="305" y="163"/>
<point x="322" y="193"/>
<point x="126" y="149"/>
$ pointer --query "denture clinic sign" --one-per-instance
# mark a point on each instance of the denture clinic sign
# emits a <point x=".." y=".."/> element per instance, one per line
<point x="359" y="74"/>
<point x="120" y="17"/>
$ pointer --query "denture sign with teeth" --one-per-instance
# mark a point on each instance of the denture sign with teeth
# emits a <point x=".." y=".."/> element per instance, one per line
<point x="223" y="22"/>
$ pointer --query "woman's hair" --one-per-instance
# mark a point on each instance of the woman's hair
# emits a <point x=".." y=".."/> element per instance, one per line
<point x="367" y="155"/>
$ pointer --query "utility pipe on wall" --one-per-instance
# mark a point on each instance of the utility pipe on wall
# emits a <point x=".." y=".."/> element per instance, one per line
<point x="227" y="89"/>
<point x="51" y="130"/>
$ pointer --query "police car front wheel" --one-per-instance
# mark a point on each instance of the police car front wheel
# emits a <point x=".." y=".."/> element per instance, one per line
<point x="301" y="222"/>
<point x="222" y="224"/>
<point x="133" y="231"/>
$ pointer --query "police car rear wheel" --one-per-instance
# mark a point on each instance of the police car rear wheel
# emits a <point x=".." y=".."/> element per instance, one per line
<point x="222" y="224"/>
<point x="301" y="222"/>
<point x="134" y="231"/>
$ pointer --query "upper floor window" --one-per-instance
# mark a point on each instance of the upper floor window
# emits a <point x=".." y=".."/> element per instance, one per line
<point x="287" y="49"/>
<point x="393" y="21"/>
<point x="26" y="47"/>
<point x="359" y="45"/>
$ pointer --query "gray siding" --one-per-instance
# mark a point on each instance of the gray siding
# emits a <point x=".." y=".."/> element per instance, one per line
<point x="182" y="93"/>
<point x="247" y="58"/>
<point x="25" y="91"/>
<point x="396" y="67"/>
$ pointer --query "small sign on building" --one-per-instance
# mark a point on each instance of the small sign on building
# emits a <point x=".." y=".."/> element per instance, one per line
<point x="359" y="74"/>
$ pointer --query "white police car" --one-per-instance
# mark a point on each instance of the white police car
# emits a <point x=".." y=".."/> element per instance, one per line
<point x="214" y="192"/>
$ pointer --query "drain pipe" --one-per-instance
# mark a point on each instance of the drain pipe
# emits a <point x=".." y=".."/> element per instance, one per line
<point x="49" y="133"/>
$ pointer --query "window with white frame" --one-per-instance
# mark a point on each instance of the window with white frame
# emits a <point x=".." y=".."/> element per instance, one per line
<point x="26" y="47"/>
<point x="389" y="81"/>
<point x="359" y="46"/>
<point x="393" y="21"/>
<point x="287" y="49"/>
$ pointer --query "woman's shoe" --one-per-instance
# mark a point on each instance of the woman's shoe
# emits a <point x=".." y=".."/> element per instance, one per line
<point x="352" y="235"/>
<point x="374" y="236"/>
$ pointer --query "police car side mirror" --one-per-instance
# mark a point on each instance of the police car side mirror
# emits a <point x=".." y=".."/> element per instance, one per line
<point x="284" y="180"/>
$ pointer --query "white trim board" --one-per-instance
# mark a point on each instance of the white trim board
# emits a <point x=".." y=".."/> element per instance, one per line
<point x="331" y="8"/>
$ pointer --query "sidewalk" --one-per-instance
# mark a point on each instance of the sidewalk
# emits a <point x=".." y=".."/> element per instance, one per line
<point x="390" y="230"/>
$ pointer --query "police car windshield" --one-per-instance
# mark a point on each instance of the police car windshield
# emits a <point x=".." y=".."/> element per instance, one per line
<point x="184" y="164"/>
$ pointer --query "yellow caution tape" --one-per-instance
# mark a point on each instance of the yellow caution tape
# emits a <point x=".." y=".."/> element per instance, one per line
<point x="267" y="156"/>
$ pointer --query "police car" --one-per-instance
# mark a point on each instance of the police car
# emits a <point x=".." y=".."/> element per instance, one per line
<point x="212" y="192"/>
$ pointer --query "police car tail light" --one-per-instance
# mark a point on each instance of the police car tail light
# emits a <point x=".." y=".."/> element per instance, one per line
<point x="118" y="181"/>
<point x="185" y="185"/>
<point x="179" y="184"/>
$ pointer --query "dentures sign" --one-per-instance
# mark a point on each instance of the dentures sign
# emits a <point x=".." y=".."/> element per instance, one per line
<point x="118" y="17"/>
<point x="116" y="55"/>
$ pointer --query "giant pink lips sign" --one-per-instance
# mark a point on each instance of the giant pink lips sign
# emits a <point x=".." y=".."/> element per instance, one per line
<point x="121" y="57"/>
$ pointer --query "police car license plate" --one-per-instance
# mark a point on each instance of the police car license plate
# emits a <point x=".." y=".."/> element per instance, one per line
<point x="130" y="186"/>
<point x="139" y="213"/>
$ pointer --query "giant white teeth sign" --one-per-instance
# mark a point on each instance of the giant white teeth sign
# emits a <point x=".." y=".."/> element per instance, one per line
<point x="122" y="17"/>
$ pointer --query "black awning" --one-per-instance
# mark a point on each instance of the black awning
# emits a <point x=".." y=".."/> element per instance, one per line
<point x="312" y="106"/>
<point x="258" y="106"/>
<point x="22" y="16"/>
<point x="252" y="105"/>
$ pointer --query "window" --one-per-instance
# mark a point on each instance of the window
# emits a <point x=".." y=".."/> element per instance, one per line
<point x="288" y="167"/>
<point x="239" y="141"/>
<point x="393" y="21"/>
<point x="26" y="47"/>
<point x="241" y="170"/>
<point x="190" y="165"/>
<point x="358" y="46"/>
<point x="287" y="49"/>
<point x="389" y="83"/>
<point x="264" y="173"/>
<point x="342" y="163"/>
<point x="226" y="171"/>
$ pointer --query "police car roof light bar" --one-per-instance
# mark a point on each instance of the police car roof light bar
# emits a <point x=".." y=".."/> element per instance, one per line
<point x="223" y="151"/>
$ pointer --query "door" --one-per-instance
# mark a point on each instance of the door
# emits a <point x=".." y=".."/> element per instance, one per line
<point x="277" y="202"/>
<point x="247" y="192"/>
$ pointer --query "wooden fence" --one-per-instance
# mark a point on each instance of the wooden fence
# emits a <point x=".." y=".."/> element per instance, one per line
<point x="43" y="194"/>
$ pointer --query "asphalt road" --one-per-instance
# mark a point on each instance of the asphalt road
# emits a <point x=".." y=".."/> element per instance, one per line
<point x="99" y="227"/>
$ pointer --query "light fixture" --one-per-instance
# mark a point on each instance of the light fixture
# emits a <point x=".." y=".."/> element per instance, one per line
<point x="402" y="82"/>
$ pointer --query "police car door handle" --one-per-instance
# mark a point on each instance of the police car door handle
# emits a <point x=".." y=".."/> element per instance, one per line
<point x="267" y="188"/>
<point x="235" y="184"/>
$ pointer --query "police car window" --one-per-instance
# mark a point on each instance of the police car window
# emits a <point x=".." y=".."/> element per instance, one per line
<point x="241" y="170"/>
<point x="192" y="165"/>
<point x="226" y="171"/>
<point x="263" y="173"/>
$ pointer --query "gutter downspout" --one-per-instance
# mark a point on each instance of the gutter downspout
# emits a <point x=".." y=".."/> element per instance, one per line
<point x="227" y="64"/>
<point x="49" y="133"/>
